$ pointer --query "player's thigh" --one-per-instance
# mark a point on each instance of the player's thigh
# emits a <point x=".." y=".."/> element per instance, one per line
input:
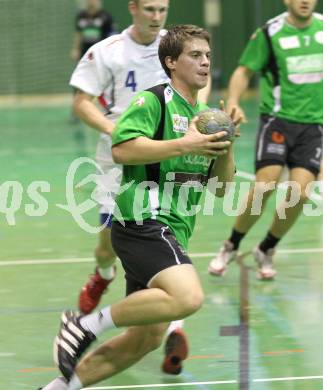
<point x="266" y="181"/>
<point x="179" y="281"/>
<point x="301" y="178"/>
<point x="270" y="173"/>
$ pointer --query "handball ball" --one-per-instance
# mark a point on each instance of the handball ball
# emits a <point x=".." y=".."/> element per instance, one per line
<point x="213" y="120"/>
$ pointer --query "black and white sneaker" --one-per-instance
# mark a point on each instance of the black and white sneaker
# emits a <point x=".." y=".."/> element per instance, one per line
<point x="71" y="342"/>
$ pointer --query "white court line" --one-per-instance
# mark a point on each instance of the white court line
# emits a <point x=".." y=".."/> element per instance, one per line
<point x="75" y="260"/>
<point x="163" y="385"/>
<point x="7" y="354"/>
<point x="287" y="379"/>
<point x="282" y="185"/>
<point x="291" y="378"/>
<point x="246" y="175"/>
<point x="78" y="260"/>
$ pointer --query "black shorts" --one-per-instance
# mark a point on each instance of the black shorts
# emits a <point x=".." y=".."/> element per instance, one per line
<point x="282" y="142"/>
<point x="145" y="250"/>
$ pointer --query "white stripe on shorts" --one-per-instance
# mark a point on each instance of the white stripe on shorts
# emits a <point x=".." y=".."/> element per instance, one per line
<point x="169" y="243"/>
<point x="261" y="138"/>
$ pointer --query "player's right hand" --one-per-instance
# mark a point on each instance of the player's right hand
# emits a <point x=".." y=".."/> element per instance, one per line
<point x="209" y="145"/>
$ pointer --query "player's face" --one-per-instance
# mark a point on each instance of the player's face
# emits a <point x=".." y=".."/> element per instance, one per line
<point x="192" y="67"/>
<point x="93" y="5"/>
<point x="149" y="17"/>
<point x="301" y="9"/>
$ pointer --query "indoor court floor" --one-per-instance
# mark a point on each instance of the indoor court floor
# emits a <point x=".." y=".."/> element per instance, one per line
<point x="248" y="335"/>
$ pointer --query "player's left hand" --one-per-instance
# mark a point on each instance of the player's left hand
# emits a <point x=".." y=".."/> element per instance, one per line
<point x="237" y="119"/>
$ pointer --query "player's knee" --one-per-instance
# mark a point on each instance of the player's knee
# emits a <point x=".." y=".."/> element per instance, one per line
<point x="303" y="195"/>
<point x="189" y="304"/>
<point x="262" y="191"/>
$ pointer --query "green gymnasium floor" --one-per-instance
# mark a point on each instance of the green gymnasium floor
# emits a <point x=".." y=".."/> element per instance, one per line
<point x="249" y="334"/>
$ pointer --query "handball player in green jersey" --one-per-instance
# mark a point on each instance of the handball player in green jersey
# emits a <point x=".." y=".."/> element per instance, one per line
<point x="288" y="53"/>
<point x="155" y="140"/>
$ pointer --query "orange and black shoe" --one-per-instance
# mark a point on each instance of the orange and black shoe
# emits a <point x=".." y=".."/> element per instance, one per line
<point x="92" y="292"/>
<point x="176" y="350"/>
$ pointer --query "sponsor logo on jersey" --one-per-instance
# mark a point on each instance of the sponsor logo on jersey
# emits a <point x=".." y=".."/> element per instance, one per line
<point x="276" y="26"/>
<point x="319" y="37"/>
<point x="97" y="22"/>
<point x="168" y="93"/>
<point x="180" y="123"/>
<point x="277" y="137"/>
<point x="276" y="149"/>
<point x="140" y="101"/>
<point x="289" y="42"/>
<point x="196" y="160"/>
<point x="305" y="69"/>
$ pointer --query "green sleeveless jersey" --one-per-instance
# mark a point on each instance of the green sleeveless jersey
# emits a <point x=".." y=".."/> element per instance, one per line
<point x="291" y="64"/>
<point x="168" y="191"/>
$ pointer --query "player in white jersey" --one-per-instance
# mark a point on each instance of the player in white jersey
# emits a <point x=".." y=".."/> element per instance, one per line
<point x="115" y="70"/>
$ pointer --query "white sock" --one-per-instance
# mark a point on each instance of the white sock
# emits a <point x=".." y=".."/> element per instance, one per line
<point x="74" y="383"/>
<point x="107" y="273"/>
<point x="57" y="383"/>
<point x="175" y="325"/>
<point x="99" y="321"/>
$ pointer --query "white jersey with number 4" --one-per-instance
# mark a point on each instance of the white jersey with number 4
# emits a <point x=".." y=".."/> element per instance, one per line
<point x="115" y="70"/>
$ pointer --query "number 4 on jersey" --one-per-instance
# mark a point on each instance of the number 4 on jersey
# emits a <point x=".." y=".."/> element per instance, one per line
<point x="131" y="81"/>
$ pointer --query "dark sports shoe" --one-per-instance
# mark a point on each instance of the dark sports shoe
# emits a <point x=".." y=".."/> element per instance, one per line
<point x="92" y="292"/>
<point x="71" y="342"/>
<point x="176" y="350"/>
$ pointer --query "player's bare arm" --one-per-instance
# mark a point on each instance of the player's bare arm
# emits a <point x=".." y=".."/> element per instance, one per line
<point x="238" y="84"/>
<point x="76" y="49"/>
<point x="85" y="108"/>
<point x="143" y="150"/>
<point x="204" y="93"/>
<point x="223" y="169"/>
